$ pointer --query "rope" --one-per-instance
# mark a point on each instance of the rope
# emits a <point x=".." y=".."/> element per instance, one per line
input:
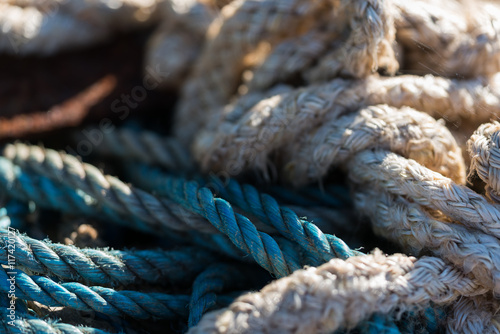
<point x="346" y="292"/>
<point x="111" y="193"/>
<point x="483" y="148"/>
<point x="95" y="298"/>
<point x="104" y="267"/>
<point x="144" y="146"/>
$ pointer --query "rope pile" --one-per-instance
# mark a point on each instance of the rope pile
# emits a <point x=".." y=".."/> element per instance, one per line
<point x="298" y="122"/>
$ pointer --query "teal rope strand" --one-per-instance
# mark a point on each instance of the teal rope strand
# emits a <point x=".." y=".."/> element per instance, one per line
<point x="104" y="267"/>
<point x="104" y="300"/>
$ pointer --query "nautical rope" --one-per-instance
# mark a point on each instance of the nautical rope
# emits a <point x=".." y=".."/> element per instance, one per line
<point x="483" y="147"/>
<point x="346" y="292"/>
<point x="406" y="177"/>
<point x="104" y="267"/>
<point x="108" y="190"/>
<point x="45" y="27"/>
<point x="95" y="298"/>
<point x="144" y="146"/>
<point x="417" y="231"/>
<point x="474" y="315"/>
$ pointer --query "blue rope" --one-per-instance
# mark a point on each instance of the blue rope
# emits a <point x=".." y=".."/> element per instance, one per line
<point x="211" y="282"/>
<point x="267" y="209"/>
<point x="23" y="322"/>
<point x="104" y="300"/>
<point x="104" y="267"/>
<point x="13" y="214"/>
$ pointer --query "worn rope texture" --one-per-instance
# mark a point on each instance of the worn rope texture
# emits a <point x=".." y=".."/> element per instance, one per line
<point x="408" y="178"/>
<point x="261" y="131"/>
<point x="346" y="292"/>
<point x="104" y="267"/>
<point x="181" y="35"/>
<point x="108" y="190"/>
<point x="144" y="146"/>
<point x="95" y="298"/>
<point x="474" y="315"/>
<point x="483" y="147"/>
<point x="214" y="82"/>
<point x="264" y="207"/>
<point x="210" y="283"/>
<point x="449" y="38"/>
<point x="33" y="325"/>
<point x="45" y="27"/>
<point x="405" y="131"/>
<point x="417" y="231"/>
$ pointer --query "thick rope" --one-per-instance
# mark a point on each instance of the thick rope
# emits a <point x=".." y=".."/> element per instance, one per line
<point x="290" y="114"/>
<point x="346" y="292"/>
<point x="408" y="178"/>
<point x="483" y="147"/>
<point x="449" y="38"/>
<point x="144" y="146"/>
<point x="108" y="190"/>
<point x="405" y="131"/>
<point x="45" y="27"/>
<point x="474" y="315"/>
<point x="94" y="298"/>
<point x="417" y="231"/>
<point x="104" y="267"/>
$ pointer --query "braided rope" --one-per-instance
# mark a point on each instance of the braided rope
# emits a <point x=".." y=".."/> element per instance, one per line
<point x="449" y="38"/>
<point x="242" y="26"/>
<point x="211" y="282"/>
<point x="104" y="267"/>
<point x="340" y="289"/>
<point x="405" y="131"/>
<point x="108" y="190"/>
<point x="143" y="146"/>
<point x="94" y="298"/>
<point x="474" y="315"/>
<point x="483" y="147"/>
<point x="408" y="178"/>
<point x="43" y="27"/>
<point x="410" y="226"/>
<point x="288" y="114"/>
<point x="267" y="209"/>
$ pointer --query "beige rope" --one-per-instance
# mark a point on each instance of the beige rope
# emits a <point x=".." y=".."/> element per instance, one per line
<point x="405" y="131"/>
<point x="178" y="41"/>
<point x="339" y="294"/>
<point x="46" y="27"/>
<point x="406" y="223"/>
<point x="449" y="38"/>
<point x="474" y="315"/>
<point x="408" y="178"/>
<point x="483" y="147"/>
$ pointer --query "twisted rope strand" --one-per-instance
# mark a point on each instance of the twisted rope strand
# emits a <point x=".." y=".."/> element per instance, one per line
<point x="347" y="292"/>
<point x="104" y="267"/>
<point x="304" y="233"/>
<point x="108" y="190"/>
<point x="410" y="226"/>
<point x="144" y="146"/>
<point x="483" y="147"/>
<point x="105" y="300"/>
<point x="408" y="178"/>
<point x="449" y="38"/>
<point x="474" y="315"/>
<point x="405" y="131"/>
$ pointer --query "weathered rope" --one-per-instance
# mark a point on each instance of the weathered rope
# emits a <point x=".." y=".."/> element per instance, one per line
<point x="408" y="178"/>
<point x="346" y="292"/>
<point x="45" y="27"/>
<point x="108" y="190"/>
<point x="104" y="267"/>
<point x="144" y="146"/>
<point x="94" y="298"/>
<point x="483" y="147"/>
<point x="304" y="109"/>
<point x="405" y="131"/>
<point x="449" y="38"/>
<point x="417" y="231"/>
<point x="474" y="315"/>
